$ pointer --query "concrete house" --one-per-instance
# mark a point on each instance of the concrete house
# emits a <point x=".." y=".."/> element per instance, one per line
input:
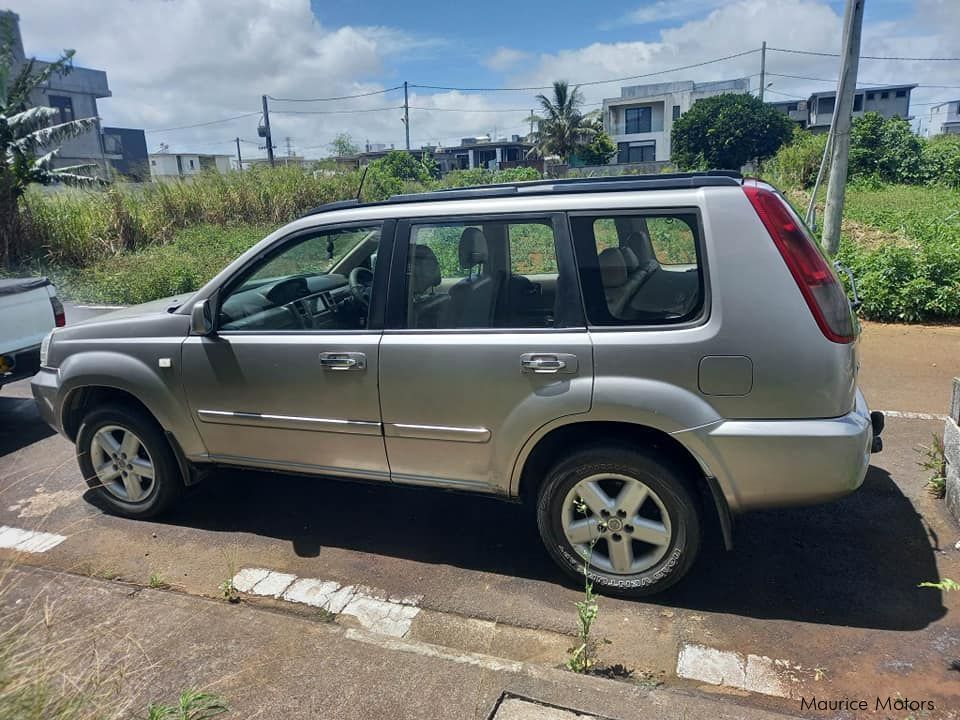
<point x="640" y="120"/>
<point x="484" y="152"/>
<point x="73" y="96"/>
<point x="944" y="119"/>
<point x="815" y="112"/>
<point x="175" y="166"/>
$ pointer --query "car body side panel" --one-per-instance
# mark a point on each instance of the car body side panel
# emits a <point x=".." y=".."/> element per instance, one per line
<point x="457" y="406"/>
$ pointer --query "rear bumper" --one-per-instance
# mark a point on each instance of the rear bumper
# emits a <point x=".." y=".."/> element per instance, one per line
<point x="775" y="463"/>
<point x="24" y="364"/>
<point x="46" y="390"/>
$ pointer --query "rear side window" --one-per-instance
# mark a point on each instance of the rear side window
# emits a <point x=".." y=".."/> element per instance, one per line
<point x="639" y="269"/>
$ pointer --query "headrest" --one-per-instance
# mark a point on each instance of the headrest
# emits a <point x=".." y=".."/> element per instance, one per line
<point x="639" y="242"/>
<point x="473" y="248"/>
<point x="426" y="269"/>
<point x="630" y="258"/>
<point x="613" y="269"/>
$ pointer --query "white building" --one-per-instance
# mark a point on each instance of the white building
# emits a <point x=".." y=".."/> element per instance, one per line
<point x="170" y="166"/>
<point x="944" y="119"/>
<point x="640" y="120"/>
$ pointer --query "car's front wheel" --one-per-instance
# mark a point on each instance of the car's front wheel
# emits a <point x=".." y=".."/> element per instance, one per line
<point x="630" y="515"/>
<point x="126" y="459"/>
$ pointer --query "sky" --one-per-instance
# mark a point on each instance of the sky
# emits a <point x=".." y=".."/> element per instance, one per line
<point x="176" y="63"/>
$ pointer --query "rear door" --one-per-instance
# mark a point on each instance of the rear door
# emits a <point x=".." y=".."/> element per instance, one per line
<point x="485" y="343"/>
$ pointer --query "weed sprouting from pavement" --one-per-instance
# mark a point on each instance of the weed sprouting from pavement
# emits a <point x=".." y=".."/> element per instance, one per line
<point x="324" y="615"/>
<point x="934" y="461"/>
<point x="157" y="582"/>
<point x="583" y="657"/>
<point x="945" y="585"/>
<point x="819" y="673"/>
<point x="192" y="705"/>
<point x="229" y="592"/>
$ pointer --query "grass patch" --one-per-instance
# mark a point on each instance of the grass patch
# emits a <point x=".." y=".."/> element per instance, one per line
<point x="183" y="265"/>
<point x="902" y="243"/>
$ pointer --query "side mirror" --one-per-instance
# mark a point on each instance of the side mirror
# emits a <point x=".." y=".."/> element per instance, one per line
<point x="201" y="322"/>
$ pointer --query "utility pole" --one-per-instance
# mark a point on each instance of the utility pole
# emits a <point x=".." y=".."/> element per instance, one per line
<point x="289" y="146"/>
<point x="265" y="131"/>
<point x="239" y="158"/>
<point x="842" y="118"/>
<point x="406" y="113"/>
<point x="763" y="68"/>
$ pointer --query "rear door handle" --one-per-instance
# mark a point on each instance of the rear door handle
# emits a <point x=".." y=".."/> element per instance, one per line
<point x="548" y="363"/>
<point x="343" y="360"/>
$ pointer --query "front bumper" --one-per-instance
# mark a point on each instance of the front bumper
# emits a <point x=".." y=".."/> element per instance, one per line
<point x="46" y="392"/>
<point x="775" y="463"/>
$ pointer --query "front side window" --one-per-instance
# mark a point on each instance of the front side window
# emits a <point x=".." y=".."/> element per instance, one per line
<point x="320" y="281"/>
<point x="639" y="269"/>
<point x="500" y="273"/>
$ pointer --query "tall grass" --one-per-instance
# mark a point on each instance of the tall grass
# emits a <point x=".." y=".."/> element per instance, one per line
<point x="76" y="228"/>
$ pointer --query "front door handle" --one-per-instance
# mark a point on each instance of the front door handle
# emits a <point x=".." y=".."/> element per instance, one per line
<point x="548" y="363"/>
<point x="343" y="360"/>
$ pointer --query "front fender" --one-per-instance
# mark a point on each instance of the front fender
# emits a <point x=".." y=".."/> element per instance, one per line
<point x="159" y="389"/>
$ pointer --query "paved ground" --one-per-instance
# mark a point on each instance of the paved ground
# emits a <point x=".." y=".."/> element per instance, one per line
<point x="829" y="591"/>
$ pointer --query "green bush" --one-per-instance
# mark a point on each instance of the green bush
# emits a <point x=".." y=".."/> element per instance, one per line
<point x="941" y="160"/>
<point x="797" y="162"/>
<point x="914" y="273"/>
<point x="483" y="176"/>
<point x="886" y="149"/>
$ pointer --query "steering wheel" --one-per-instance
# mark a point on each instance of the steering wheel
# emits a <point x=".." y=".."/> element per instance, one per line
<point x="361" y="279"/>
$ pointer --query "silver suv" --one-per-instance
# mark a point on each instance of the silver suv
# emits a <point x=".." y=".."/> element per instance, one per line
<point x="630" y="356"/>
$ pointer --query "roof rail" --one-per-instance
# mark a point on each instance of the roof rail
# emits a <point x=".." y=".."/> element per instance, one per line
<point x="667" y="181"/>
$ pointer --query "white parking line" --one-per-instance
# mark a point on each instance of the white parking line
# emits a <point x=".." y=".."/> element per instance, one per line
<point x="387" y="616"/>
<point x="100" y="307"/>
<point x="755" y="673"/>
<point x="30" y="541"/>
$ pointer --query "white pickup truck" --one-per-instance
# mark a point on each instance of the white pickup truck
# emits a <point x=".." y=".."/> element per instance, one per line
<point x="29" y="309"/>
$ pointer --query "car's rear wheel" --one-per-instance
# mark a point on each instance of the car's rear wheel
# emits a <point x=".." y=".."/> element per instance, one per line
<point x="630" y="515"/>
<point x="125" y="458"/>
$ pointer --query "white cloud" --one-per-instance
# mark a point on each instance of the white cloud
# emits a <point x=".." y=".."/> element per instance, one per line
<point x="179" y="62"/>
<point x="505" y="58"/>
<point x="664" y="11"/>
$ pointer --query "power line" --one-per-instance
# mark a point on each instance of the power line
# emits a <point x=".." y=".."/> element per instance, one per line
<point x="340" y="97"/>
<point x="865" y="57"/>
<point x="590" y="82"/>
<point x="203" y="124"/>
<point x="334" y="112"/>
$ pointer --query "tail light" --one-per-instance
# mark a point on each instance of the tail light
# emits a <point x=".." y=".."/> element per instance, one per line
<point x="814" y="276"/>
<point x="59" y="317"/>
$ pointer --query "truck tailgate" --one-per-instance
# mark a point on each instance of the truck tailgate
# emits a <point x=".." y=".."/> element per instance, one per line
<point x="26" y="314"/>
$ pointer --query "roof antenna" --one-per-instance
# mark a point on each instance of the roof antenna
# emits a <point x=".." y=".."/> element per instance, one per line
<point x="363" y="176"/>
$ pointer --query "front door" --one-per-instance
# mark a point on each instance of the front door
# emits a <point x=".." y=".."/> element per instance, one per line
<point x="485" y="343"/>
<point x="289" y="378"/>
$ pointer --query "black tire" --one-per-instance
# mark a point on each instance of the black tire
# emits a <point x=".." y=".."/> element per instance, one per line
<point x="168" y="482"/>
<point x="665" y="477"/>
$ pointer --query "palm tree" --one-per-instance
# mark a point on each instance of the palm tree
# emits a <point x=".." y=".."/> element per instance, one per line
<point x="562" y="128"/>
<point x="30" y="139"/>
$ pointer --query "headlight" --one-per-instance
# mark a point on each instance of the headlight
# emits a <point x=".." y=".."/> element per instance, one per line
<point x="45" y="348"/>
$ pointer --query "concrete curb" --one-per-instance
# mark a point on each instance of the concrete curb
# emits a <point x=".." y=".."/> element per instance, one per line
<point x="951" y="450"/>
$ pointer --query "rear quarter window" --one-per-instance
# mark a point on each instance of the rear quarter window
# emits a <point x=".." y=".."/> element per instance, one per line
<point x="639" y="269"/>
